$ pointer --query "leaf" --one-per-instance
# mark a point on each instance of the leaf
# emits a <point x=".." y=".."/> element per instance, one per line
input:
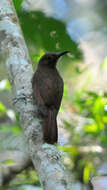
<point x="65" y="92"/>
<point x="5" y="85"/>
<point x="77" y="70"/>
<point x="104" y="118"/>
<point x="8" y="162"/>
<point x="87" y="172"/>
<point x="61" y="108"/>
<point x="2" y="108"/>
<point x="93" y="94"/>
<point x="103" y="139"/>
<point x="8" y="86"/>
<point x="91" y="128"/>
<point x="104" y="64"/>
<point x="89" y="102"/>
<point x="37" y="57"/>
<point x="73" y="150"/>
<point x="17" y="4"/>
<point x="33" y="24"/>
<point x="11" y="128"/>
<point x="67" y="124"/>
<point x="98" y="107"/>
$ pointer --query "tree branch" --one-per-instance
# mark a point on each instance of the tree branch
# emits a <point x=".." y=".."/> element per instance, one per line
<point x="46" y="158"/>
<point x="8" y="172"/>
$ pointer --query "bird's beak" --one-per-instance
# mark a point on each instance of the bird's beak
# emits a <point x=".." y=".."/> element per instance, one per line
<point x="62" y="53"/>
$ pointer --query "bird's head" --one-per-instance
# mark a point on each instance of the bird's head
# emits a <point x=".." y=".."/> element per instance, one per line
<point x="50" y="59"/>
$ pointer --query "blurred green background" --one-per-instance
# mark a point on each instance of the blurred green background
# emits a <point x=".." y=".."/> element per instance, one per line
<point x="81" y="27"/>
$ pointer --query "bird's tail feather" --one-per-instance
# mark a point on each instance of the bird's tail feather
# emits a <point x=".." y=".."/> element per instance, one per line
<point x="50" y="133"/>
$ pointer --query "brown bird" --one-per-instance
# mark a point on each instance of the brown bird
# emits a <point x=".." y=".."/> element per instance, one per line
<point x="47" y="87"/>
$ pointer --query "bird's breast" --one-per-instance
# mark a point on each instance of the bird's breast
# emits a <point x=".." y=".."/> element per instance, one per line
<point x="50" y="85"/>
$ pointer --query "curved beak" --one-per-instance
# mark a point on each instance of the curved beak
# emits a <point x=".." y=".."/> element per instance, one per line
<point x="62" y="53"/>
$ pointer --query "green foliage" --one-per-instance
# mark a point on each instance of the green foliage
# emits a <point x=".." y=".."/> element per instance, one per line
<point x="8" y="87"/>
<point x="2" y="108"/>
<point x="81" y="164"/>
<point x="65" y="96"/>
<point x="88" y="170"/>
<point x="72" y="150"/>
<point x="5" y="85"/>
<point x="11" y="128"/>
<point x="26" y="177"/>
<point x="36" y="58"/>
<point x="46" y="33"/>
<point x="8" y="162"/>
<point x="17" y="4"/>
<point x="94" y="106"/>
<point x="104" y="64"/>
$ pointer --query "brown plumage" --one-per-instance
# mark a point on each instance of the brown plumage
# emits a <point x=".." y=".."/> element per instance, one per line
<point x="47" y="87"/>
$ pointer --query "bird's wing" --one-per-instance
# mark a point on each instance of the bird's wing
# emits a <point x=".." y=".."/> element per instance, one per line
<point x="42" y="89"/>
<point x="37" y="96"/>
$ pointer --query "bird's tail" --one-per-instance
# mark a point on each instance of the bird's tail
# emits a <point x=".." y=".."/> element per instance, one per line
<point x="50" y="133"/>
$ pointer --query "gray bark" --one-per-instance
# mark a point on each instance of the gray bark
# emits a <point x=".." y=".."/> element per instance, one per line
<point x="46" y="158"/>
